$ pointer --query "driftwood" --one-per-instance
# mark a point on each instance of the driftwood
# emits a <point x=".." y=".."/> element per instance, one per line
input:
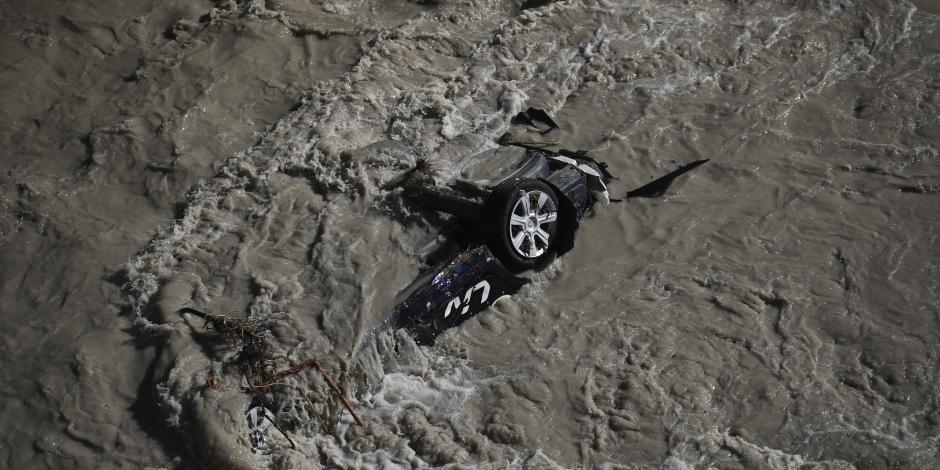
<point x="313" y="362"/>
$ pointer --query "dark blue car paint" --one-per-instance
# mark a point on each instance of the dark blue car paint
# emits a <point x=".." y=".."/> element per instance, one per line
<point x="465" y="286"/>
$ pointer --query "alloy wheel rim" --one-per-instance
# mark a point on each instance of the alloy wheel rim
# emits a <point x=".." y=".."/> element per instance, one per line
<point x="531" y="216"/>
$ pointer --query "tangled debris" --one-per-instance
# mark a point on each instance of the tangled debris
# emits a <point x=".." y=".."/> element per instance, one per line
<point x="312" y="362"/>
<point x="246" y="337"/>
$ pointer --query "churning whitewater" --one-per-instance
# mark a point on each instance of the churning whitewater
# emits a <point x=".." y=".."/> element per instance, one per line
<point x="777" y="308"/>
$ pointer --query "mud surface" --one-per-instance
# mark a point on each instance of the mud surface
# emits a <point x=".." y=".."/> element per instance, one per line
<point x="778" y="308"/>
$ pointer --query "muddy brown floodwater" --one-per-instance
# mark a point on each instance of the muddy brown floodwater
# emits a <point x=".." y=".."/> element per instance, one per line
<point x="778" y="308"/>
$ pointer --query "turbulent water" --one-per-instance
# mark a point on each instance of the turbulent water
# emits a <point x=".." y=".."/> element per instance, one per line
<point x="778" y="308"/>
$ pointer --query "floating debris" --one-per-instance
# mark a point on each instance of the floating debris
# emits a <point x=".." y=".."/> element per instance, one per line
<point x="252" y="353"/>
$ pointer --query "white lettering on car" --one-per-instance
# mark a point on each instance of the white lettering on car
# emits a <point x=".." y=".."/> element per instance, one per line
<point x="456" y="302"/>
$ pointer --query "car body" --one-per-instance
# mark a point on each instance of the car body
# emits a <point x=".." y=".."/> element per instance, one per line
<point x="514" y="214"/>
<point x="520" y="213"/>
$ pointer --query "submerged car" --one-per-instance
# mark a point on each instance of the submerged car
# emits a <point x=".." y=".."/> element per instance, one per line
<point x="516" y="219"/>
<point x="514" y="214"/>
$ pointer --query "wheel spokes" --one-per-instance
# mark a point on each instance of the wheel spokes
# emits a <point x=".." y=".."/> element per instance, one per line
<point x="542" y="198"/>
<point x="547" y="217"/>
<point x="516" y="219"/>
<point x="541" y="235"/>
<point x="517" y="240"/>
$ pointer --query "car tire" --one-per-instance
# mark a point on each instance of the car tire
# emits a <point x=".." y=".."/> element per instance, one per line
<point x="521" y="224"/>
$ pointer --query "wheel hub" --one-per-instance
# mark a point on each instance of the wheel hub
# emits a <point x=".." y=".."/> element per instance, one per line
<point x="531" y="224"/>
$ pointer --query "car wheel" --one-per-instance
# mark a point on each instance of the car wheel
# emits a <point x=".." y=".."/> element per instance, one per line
<point x="522" y="224"/>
